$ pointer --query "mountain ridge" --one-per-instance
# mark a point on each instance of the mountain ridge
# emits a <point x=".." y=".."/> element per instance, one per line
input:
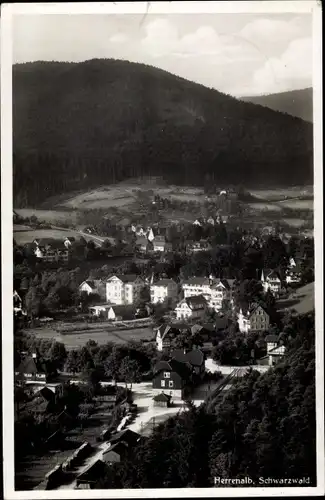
<point x="107" y="120"/>
<point x="298" y="103"/>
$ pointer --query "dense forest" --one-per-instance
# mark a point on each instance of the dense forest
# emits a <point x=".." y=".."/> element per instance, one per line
<point x="295" y="102"/>
<point x="263" y="427"/>
<point x="78" y="125"/>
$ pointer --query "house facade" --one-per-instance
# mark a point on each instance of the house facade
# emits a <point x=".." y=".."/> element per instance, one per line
<point x="192" y="308"/>
<point x="51" y="250"/>
<point x="31" y="370"/>
<point x="162" y="290"/>
<point x="93" y="287"/>
<point x="172" y="378"/>
<point x="198" y="246"/>
<point x="123" y="289"/>
<point x="271" y="281"/>
<point x="164" y="336"/>
<point x="221" y="295"/>
<point x="197" y="286"/>
<point x="255" y="319"/>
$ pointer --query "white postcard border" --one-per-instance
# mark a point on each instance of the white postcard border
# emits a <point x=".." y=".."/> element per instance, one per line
<point x="7" y="12"/>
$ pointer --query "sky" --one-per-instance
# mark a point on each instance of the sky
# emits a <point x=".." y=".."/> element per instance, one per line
<point x="239" y="54"/>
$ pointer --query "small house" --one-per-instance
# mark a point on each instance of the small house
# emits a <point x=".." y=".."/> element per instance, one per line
<point x="121" y="313"/>
<point x="31" y="370"/>
<point x="271" y="281"/>
<point x="100" y="310"/>
<point x="127" y="436"/>
<point x="162" y="290"/>
<point x="90" y="477"/>
<point x="116" y="453"/>
<point x="173" y="378"/>
<point x="163" y="400"/>
<point x="164" y="336"/>
<point x="191" y="308"/>
<point x="93" y="287"/>
<point x="255" y="319"/>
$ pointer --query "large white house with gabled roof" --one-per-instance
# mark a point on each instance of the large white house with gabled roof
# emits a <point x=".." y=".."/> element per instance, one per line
<point x="162" y="290"/>
<point x="124" y="289"/>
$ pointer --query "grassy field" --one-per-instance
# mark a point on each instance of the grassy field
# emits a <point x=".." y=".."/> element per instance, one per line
<point x="23" y="237"/>
<point x="302" y="300"/>
<point x="101" y="336"/>
<point x="277" y="194"/>
<point x="50" y="216"/>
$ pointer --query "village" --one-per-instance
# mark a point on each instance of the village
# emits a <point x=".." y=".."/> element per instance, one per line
<point x="196" y="332"/>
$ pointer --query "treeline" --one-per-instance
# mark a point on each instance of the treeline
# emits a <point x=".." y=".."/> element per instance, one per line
<point x="103" y="121"/>
<point x="263" y="427"/>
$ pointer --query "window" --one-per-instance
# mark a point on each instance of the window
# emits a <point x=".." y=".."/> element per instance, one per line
<point x="166" y="374"/>
<point x="171" y="383"/>
<point x="163" y="383"/>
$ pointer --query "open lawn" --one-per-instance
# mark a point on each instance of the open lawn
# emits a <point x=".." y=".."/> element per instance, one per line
<point x="302" y="301"/>
<point x="23" y="237"/>
<point x="50" y="216"/>
<point x="101" y="336"/>
<point x="277" y="194"/>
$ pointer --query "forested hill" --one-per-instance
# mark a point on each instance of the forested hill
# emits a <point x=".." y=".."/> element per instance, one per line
<point x="82" y="124"/>
<point x="295" y="102"/>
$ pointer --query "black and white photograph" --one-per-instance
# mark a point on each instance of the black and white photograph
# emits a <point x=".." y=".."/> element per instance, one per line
<point x="162" y="242"/>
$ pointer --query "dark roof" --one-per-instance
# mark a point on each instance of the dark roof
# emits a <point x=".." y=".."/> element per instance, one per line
<point x="126" y="278"/>
<point x="162" y="397"/>
<point x="45" y="241"/>
<point x="90" y="283"/>
<point x="51" y="242"/>
<point x="93" y="473"/>
<point x="195" y="300"/>
<point x="175" y="366"/>
<point x="254" y="308"/>
<point x="164" y="282"/>
<point x="182" y="327"/>
<point x="126" y="436"/>
<point x="124" y="311"/>
<point x="196" y="281"/>
<point x="221" y="323"/>
<point x="141" y="240"/>
<point x="195" y="357"/>
<point x="31" y="365"/>
<point x="47" y="394"/>
<point x="120" y="448"/>
<point x="271" y="338"/>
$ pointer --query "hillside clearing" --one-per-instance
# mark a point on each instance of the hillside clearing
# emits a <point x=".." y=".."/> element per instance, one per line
<point x="23" y="237"/>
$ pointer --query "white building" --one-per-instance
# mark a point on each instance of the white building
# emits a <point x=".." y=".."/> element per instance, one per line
<point x="162" y="290"/>
<point x="197" y="286"/>
<point x="271" y="281"/>
<point x="274" y="350"/>
<point x="191" y="308"/>
<point x="124" y="289"/>
<point x="254" y="320"/>
<point x="100" y="310"/>
<point x="93" y="287"/>
<point x="221" y="295"/>
<point x="293" y="273"/>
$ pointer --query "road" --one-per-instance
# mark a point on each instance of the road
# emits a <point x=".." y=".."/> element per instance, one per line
<point x="212" y="366"/>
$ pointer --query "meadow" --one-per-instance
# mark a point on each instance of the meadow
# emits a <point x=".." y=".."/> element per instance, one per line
<point x="100" y="335"/>
<point x="23" y="237"/>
